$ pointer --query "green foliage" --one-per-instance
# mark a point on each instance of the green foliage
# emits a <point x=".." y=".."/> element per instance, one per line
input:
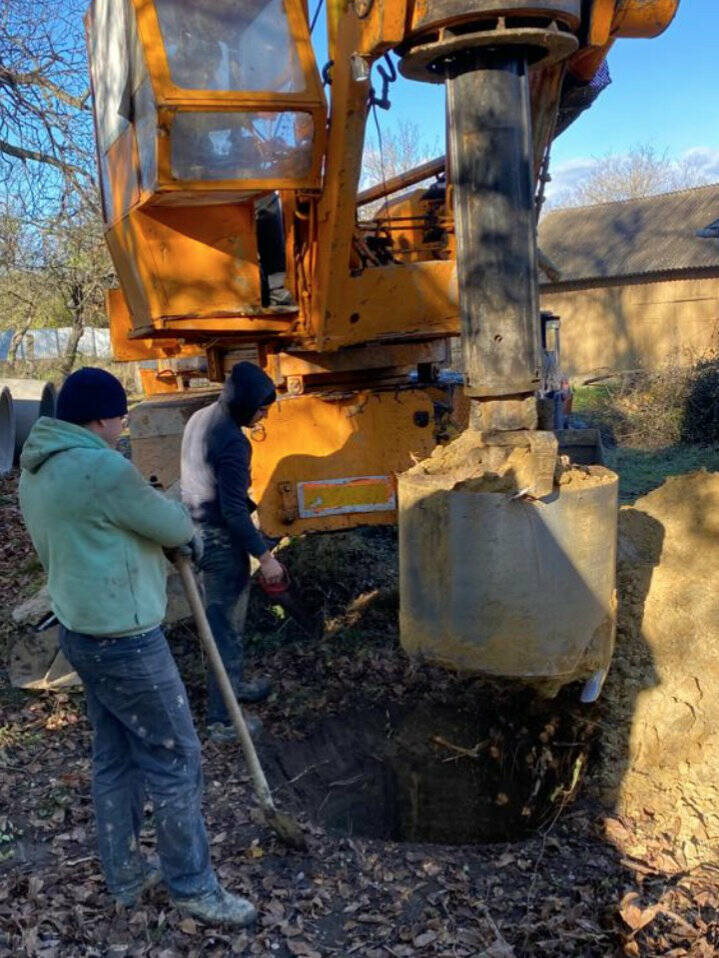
<point x="642" y="470"/>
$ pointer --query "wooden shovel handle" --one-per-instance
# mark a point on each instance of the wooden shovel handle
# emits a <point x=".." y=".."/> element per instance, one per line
<point x="262" y="790"/>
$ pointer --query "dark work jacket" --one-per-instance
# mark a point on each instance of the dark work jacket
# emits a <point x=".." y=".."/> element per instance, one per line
<point x="216" y="458"/>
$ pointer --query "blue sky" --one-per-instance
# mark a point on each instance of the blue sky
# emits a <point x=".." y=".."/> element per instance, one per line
<point x="665" y="92"/>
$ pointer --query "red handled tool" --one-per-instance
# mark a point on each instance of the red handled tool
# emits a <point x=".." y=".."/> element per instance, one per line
<point x="281" y="593"/>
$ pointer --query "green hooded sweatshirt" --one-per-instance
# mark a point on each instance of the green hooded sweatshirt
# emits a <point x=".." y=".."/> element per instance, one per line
<point x="98" y="529"/>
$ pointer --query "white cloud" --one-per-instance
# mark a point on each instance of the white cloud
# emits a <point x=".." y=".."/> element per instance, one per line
<point x="704" y="160"/>
<point x="568" y="175"/>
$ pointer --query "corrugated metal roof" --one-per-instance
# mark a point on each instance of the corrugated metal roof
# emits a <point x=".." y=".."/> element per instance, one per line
<point x="657" y="234"/>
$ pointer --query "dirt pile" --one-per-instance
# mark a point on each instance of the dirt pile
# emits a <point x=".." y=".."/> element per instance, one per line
<point x="660" y="749"/>
<point x="467" y="462"/>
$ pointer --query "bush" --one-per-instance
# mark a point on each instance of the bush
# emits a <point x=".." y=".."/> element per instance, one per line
<point x="675" y="405"/>
<point x="700" y="423"/>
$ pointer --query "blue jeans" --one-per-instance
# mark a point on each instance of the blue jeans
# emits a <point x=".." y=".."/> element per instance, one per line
<point x="144" y="745"/>
<point x="225" y="576"/>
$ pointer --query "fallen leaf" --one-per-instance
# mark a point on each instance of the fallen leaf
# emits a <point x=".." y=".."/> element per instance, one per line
<point x="426" y="938"/>
<point x="302" y="948"/>
<point x="635" y="916"/>
<point x="189" y="926"/>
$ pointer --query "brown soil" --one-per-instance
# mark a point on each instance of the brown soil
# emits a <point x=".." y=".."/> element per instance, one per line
<point x="467" y="463"/>
<point x="660" y="748"/>
<point x="463" y="458"/>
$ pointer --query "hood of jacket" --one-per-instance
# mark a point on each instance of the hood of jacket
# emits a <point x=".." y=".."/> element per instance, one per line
<point x="246" y="389"/>
<point x="50" y="436"/>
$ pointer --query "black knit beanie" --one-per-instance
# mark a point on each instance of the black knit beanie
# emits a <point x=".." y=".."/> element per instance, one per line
<point x="90" y="394"/>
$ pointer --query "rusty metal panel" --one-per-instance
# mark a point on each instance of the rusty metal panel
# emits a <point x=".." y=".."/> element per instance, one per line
<point x="412" y="299"/>
<point x="643" y="18"/>
<point x="367" y="357"/>
<point x="434" y="13"/>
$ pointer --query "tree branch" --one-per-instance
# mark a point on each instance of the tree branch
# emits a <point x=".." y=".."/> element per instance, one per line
<point x="13" y="79"/>
<point x="22" y="153"/>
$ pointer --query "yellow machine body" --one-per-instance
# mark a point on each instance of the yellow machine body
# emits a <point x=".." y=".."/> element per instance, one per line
<point x="204" y="112"/>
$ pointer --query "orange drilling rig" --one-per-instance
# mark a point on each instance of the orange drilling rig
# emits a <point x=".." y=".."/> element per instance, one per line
<point x="230" y="189"/>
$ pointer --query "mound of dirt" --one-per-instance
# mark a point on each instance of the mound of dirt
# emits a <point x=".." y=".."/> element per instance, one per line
<point x="660" y="748"/>
<point x="469" y="463"/>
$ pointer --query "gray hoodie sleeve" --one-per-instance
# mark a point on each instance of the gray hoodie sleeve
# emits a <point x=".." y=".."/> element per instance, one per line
<point x="132" y="504"/>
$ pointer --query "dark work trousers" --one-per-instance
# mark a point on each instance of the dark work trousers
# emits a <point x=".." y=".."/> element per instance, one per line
<point x="144" y="745"/>
<point x="225" y="576"/>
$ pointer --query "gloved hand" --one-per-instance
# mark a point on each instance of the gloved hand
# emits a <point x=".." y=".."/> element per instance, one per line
<point x="272" y="571"/>
<point x="194" y="549"/>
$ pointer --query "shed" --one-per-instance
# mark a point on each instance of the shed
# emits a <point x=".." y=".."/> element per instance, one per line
<point x="639" y="285"/>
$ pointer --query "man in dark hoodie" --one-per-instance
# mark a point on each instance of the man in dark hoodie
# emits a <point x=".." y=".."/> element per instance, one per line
<point x="216" y="458"/>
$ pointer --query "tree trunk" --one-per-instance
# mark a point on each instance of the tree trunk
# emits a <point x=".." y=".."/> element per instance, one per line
<point x="17" y="336"/>
<point x="15" y="342"/>
<point x="78" y="327"/>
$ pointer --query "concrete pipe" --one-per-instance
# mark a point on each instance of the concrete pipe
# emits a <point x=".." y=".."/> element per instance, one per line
<point x="32" y="398"/>
<point x="505" y="585"/>
<point x="7" y="431"/>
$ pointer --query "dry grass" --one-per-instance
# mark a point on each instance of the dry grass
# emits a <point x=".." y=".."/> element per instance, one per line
<point x="673" y="406"/>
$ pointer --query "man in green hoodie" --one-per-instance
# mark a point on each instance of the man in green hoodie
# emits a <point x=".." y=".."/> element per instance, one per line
<point x="100" y="530"/>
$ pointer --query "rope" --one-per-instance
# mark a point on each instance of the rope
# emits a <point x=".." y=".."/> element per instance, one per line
<point x="381" y="147"/>
<point x="315" y="17"/>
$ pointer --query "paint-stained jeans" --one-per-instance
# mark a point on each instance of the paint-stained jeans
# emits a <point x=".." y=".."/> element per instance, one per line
<point x="225" y="576"/>
<point x="144" y="745"/>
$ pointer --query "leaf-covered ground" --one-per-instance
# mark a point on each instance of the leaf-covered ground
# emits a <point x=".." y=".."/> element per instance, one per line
<point x="584" y="883"/>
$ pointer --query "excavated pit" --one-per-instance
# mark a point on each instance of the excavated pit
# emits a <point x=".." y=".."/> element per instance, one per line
<point x="493" y="770"/>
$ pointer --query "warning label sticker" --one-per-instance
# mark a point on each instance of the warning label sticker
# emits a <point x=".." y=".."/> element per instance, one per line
<point x="333" y="497"/>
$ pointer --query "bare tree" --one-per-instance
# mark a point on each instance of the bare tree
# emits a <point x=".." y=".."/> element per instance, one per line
<point x="51" y="246"/>
<point x="394" y="150"/>
<point x="642" y="172"/>
<point x="46" y="129"/>
<point x="397" y="148"/>
<point x="53" y="273"/>
<point x="78" y="267"/>
<point x="22" y="289"/>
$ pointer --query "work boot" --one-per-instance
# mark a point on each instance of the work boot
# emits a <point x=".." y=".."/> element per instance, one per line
<point x="131" y="897"/>
<point x="219" y="907"/>
<point x="255" y="691"/>
<point x="222" y="733"/>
